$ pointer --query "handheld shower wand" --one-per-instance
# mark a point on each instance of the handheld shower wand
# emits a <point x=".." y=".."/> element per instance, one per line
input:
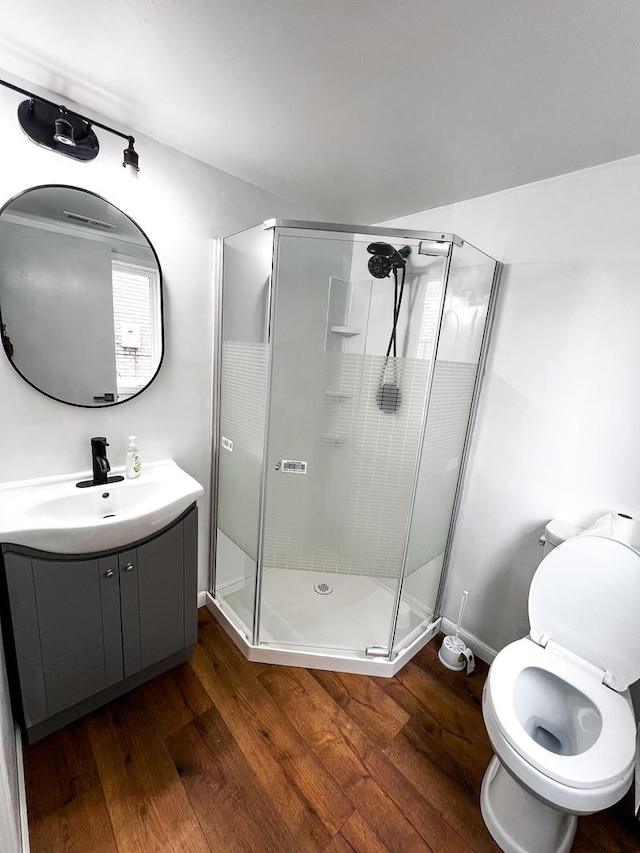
<point x="384" y="260"/>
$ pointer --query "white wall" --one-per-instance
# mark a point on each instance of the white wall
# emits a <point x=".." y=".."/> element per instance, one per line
<point x="181" y="204"/>
<point x="558" y="429"/>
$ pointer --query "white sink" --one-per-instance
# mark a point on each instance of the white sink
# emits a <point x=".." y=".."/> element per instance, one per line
<point x="53" y="514"/>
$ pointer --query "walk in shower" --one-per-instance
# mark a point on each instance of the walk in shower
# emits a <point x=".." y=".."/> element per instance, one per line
<point x="348" y="371"/>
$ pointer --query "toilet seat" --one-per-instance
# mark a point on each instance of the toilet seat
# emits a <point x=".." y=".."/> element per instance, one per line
<point x="610" y="759"/>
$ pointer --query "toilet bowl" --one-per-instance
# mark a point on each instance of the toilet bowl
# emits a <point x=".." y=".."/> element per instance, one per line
<point x="556" y="704"/>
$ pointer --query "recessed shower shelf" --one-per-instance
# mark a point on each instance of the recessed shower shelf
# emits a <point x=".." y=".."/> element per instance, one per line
<point x="346" y="331"/>
<point x="329" y="438"/>
<point x="338" y="395"/>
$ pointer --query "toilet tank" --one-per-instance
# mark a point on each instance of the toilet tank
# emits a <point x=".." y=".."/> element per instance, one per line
<point x="556" y="532"/>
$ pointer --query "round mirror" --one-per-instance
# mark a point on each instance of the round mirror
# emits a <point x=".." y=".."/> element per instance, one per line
<point x="80" y="297"/>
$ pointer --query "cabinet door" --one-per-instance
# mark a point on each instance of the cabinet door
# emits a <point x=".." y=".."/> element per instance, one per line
<point x="26" y="636"/>
<point x="66" y="627"/>
<point x="70" y="628"/>
<point x="161" y="596"/>
<point x="111" y="620"/>
<point x="128" y="567"/>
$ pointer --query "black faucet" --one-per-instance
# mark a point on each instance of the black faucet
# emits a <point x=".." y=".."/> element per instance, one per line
<point x="101" y="465"/>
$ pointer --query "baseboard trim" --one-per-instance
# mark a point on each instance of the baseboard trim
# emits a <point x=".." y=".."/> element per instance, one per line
<point x="481" y="650"/>
<point x="202" y="599"/>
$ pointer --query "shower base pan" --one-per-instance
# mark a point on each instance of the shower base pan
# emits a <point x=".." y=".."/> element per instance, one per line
<point x="323" y="620"/>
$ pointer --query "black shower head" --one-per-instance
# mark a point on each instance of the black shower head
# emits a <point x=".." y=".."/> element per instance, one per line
<point x="385" y="258"/>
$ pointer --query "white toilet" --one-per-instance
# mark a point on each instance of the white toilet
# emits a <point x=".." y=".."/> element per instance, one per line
<point x="556" y="704"/>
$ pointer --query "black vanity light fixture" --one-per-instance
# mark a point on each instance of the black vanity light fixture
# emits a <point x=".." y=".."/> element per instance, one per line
<point x="55" y="127"/>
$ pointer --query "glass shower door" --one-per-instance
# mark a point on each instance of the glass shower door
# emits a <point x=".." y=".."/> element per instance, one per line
<point x="340" y="467"/>
<point x="464" y="320"/>
<point x="244" y="369"/>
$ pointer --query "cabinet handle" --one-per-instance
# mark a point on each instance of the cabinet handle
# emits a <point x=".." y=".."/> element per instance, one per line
<point x="108" y="573"/>
<point x="128" y="567"/>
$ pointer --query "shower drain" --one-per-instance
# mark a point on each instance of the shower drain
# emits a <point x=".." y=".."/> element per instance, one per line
<point x="323" y="588"/>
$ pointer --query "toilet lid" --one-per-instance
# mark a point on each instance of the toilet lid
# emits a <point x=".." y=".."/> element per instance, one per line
<point x="585" y="596"/>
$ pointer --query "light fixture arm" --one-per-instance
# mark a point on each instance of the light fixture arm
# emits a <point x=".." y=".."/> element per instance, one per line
<point x="89" y="122"/>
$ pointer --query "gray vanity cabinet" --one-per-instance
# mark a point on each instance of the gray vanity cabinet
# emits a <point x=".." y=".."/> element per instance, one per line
<point x="87" y="628"/>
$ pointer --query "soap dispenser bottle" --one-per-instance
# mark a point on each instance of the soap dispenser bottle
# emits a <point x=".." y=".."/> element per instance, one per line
<point x="133" y="458"/>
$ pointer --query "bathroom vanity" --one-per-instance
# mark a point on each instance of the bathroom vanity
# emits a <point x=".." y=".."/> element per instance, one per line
<point x="84" y="628"/>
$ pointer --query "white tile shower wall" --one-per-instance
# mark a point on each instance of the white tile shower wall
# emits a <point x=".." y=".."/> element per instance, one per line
<point x="374" y="470"/>
<point x="351" y="513"/>
<point x="559" y="419"/>
<point x="382" y="464"/>
<point x="181" y="204"/>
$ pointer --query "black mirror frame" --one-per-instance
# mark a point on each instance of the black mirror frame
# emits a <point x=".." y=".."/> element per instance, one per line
<point x="105" y="405"/>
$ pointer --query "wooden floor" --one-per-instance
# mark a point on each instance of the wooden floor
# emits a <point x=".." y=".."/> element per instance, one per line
<point x="224" y="755"/>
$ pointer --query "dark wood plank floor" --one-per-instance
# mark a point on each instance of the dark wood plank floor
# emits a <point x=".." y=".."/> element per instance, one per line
<point x="223" y="755"/>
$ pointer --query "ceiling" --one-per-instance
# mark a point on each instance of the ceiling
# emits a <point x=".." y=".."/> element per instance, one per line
<point x="363" y="109"/>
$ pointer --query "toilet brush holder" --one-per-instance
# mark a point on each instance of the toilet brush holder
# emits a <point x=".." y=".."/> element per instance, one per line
<point x="454" y="653"/>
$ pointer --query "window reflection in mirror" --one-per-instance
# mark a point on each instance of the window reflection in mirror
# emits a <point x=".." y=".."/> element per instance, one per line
<point x="80" y="297"/>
